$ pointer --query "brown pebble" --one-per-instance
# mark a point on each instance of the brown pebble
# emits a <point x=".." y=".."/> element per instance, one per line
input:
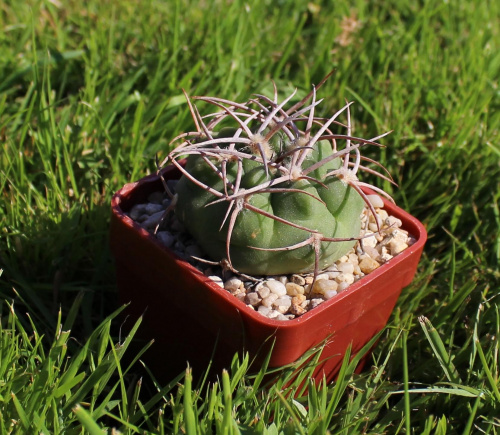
<point x="297" y="279"/>
<point x="293" y="289"/>
<point x="296" y="307"/>
<point x="368" y="264"/>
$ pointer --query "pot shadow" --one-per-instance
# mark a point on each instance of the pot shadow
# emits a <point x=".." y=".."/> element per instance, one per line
<point x="48" y="260"/>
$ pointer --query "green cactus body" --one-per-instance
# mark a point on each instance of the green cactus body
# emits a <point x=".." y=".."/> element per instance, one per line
<point x="337" y="215"/>
<point x="271" y="190"/>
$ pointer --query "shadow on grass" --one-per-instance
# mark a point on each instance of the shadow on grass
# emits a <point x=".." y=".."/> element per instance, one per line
<point x="49" y="259"/>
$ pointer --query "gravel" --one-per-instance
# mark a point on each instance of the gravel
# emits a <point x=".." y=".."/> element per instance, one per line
<point x="288" y="296"/>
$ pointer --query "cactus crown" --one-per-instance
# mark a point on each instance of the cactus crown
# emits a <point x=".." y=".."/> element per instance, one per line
<point x="277" y="191"/>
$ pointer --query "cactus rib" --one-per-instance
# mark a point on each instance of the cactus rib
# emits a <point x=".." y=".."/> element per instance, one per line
<point x="268" y="172"/>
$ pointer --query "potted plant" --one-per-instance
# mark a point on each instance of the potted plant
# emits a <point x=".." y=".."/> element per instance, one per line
<point x="270" y="195"/>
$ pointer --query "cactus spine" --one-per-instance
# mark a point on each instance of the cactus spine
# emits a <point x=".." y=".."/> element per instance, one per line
<point x="273" y="193"/>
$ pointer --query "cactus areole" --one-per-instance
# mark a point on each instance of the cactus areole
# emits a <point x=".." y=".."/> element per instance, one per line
<point x="273" y="193"/>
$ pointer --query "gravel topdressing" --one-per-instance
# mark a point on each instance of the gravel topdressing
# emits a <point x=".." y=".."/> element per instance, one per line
<point x="288" y="296"/>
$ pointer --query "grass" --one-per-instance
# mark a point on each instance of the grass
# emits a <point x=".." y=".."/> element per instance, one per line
<point x="91" y="92"/>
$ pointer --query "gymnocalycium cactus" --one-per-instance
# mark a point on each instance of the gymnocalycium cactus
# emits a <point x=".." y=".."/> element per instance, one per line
<point x="267" y="190"/>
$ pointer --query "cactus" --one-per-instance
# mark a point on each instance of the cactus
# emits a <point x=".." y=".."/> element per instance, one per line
<point x="267" y="190"/>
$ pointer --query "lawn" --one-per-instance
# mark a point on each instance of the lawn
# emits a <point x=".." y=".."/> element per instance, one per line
<point x="91" y="92"/>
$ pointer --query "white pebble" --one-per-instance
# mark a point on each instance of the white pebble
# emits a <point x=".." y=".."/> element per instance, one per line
<point x="323" y="285"/>
<point x="382" y="214"/>
<point x="357" y="270"/>
<point x="315" y="302"/>
<point x="179" y="247"/>
<point x="137" y="211"/>
<point x="396" y="247"/>
<point x="262" y="290"/>
<point x="284" y="301"/>
<point x="153" y="208"/>
<point x="333" y="275"/>
<point x="375" y="200"/>
<point x="217" y="280"/>
<point x="384" y="255"/>
<point x="369" y="241"/>
<point x="241" y="295"/>
<point x="400" y="235"/>
<point x="329" y="294"/>
<point x="232" y="284"/>
<point x="273" y="314"/>
<point x="345" y="277"/>
<point x="282" y="279"/>
<point x="283" y="309"/>
<point x="342" y="286"/>
<point x="276" y="287"/>
<point x="263" y="310"/>
<point x="393" y="222"/>
<point x="306" y="304"/>
<point x="353" y="258"/>
<point x="346" y="268"/>
<point x="268" y="301"/>
<point x="371" y="251"/>
<point x="142" y="218"/>
<point x="322" y="276"/>
<point x="152" y="221"/>
<point x="165" y="238"/>
<point x="252" y="298"/>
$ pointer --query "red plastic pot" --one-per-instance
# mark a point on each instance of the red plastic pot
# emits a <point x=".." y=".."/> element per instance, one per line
<point x="194" y="320"/>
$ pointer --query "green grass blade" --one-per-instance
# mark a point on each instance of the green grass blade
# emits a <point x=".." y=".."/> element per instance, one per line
<point x="189" y="414"/>
<point x="492" y="381"/>
<point x="88" y="423"/>
<point x="407" y="414"/>
<point x="439" y="350"/>
<point x="21" y="412"/>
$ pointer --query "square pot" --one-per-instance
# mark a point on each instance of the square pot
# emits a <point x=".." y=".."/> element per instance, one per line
<point x="194" y="320"/>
